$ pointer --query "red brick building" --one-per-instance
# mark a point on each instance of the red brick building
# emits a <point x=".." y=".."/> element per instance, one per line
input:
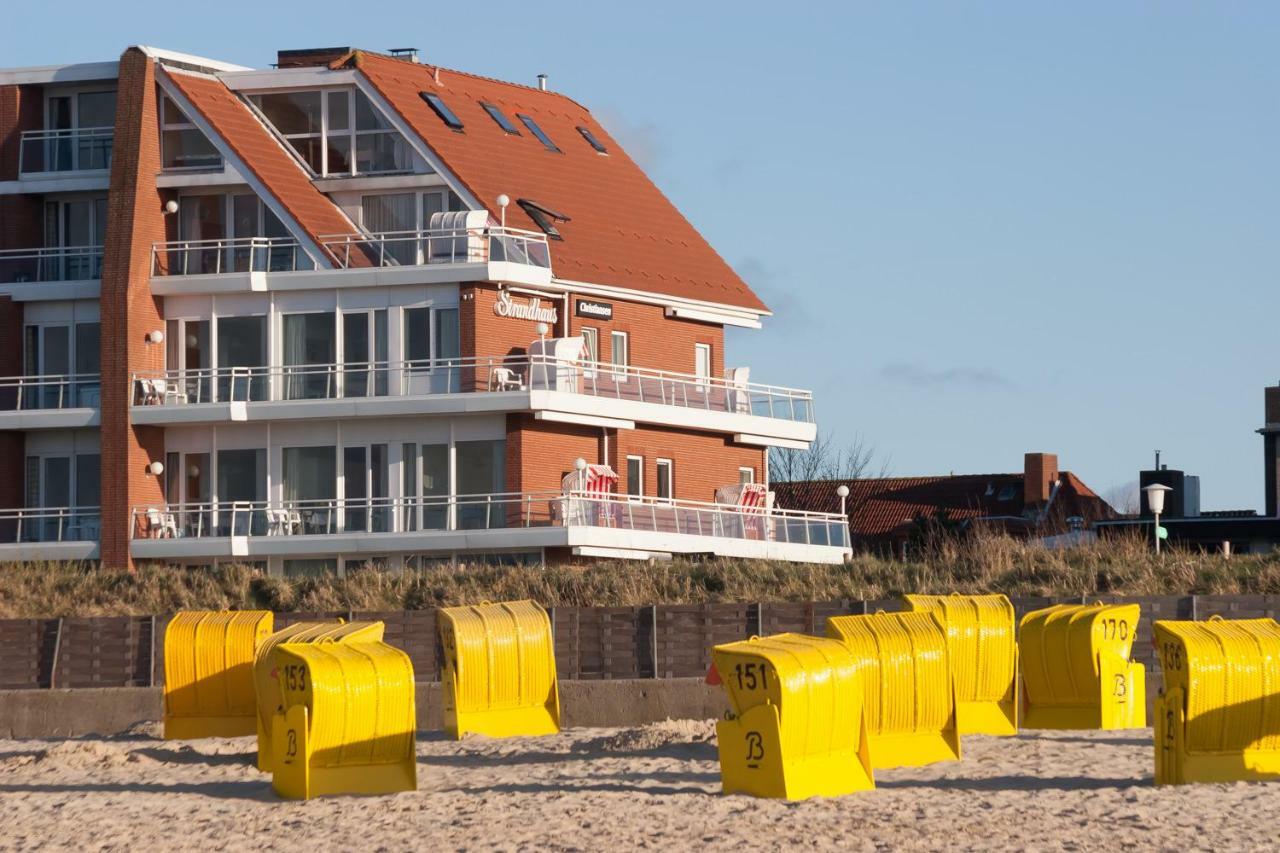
<point x="360" y="309"/>
<point x="887" y="514"/>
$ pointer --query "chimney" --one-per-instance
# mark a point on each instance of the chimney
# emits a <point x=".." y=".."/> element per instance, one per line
<point x="1039" y="473"/>
<point x="542" y="82"/>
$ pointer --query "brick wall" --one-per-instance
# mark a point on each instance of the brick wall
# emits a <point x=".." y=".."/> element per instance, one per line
<point x="702" y="461"/>
<point x="540" y="454"/>
<point x="135" y="220"/>
<point x="21" y="108"/>
<point x="656" y="341"/>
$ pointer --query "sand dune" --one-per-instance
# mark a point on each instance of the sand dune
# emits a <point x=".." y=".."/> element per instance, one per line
<point x="653" y="787"/>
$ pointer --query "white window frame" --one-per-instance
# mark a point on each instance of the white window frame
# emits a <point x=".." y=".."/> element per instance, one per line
<point x="749" y="471"/>
<point x="350" y="131"/>
<point x="671" y="480"/>
<point x="639" y="493"/>
<point x="704" y="378"/>
<point x="590" y="349"/>
<point x="614" y="337"/>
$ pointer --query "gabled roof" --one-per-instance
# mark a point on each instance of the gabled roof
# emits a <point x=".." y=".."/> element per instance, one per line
<point x="884" y="506"/>
<point x="624" y="232"/>
<point x="241" y="131"/>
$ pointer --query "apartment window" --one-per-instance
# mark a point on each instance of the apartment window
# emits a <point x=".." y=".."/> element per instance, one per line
<point x="182" y="144"/>
<point x="309" y="354"/>
<point x="746" y="476"/>
<point x="635" y="476"/>
<point x="664" y="484"/>
<point x="619" y="354"/>
<point x="590" y="347"/>
<point x="431" y="334"/>
<point x="481" y="471"/>
<point x="448" y="344"/>
<point x="336" y="132"/>
<point x="84" y="112"/>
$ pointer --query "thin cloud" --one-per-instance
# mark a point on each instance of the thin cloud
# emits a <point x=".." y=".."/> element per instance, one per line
<point x="642" y="141"/>
<point x="919" y="376"/>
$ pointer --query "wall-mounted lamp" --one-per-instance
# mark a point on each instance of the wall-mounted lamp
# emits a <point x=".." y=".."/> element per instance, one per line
<point x="154" y="337"/>
<point x="156" y="468"/>
<point x="170" y="207"/>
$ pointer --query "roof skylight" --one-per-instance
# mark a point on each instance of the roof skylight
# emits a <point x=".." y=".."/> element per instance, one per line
<point x="500" y="117"/>
<point x="537" y="131"/>
<point x="544" y="216"/>
<point x="591" y="138"/>
<point x="442" y="109"/>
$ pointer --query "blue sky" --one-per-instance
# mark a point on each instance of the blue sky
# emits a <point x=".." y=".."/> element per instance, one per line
<point x="985" y="228"/>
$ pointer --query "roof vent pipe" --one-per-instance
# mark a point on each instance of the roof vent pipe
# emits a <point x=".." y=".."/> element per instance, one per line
<point x="435" y="74"/>
<point x="542" y="82"/>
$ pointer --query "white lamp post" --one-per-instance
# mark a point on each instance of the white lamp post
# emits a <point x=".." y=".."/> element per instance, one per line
<point x="581" y="465"/>
<point x="843" y="491"/>
<point x="1155" y="501"/>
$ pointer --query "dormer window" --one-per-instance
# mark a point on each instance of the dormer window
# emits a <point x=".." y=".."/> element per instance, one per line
<point x="336" y="132"/>
<point x="544" y="216"/>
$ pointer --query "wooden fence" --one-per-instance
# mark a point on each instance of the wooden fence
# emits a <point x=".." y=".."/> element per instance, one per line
<point x="663" y="641"/>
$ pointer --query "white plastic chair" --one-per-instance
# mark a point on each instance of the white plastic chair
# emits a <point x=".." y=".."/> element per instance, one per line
<point x="505" y="379"/>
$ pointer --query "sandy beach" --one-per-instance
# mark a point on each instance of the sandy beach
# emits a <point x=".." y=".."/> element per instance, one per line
<point x="655" y="787"/>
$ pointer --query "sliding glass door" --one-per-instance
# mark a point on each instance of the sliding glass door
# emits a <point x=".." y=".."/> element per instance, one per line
<point x="364" y="353"/>
<point x="310" y="486"/>
<point x="309" y="354"/>
<point x="242" y="358"/>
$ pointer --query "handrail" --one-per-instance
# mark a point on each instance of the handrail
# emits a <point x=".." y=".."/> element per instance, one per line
<point x="51" y="391"/>
<point x="50" y="524"/>
<point x="65" y="150"/>
<point x="470" y="375"/>
<point x="229" y="255"/>
<point x="438" y="246"/>
<point x="51" y="263"/>
<point x="323" y="517"/>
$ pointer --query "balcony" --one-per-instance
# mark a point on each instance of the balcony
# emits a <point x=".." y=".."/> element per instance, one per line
<point x="585" y="522"/>
<point x="59" y="153"/>
<point x="50" y="533"/>
<point x="57" y="272"/>
<point x="50" y="402"/>
<point x="557" y="390"/>
<point x="408" y="257"/>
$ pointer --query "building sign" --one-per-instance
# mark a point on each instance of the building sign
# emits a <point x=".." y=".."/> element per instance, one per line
<point x="595" y="310"/>
<point x="532" y="309"/>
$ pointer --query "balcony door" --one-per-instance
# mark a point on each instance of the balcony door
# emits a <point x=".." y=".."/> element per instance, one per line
<point x="76" y="228"/>
<point x="47" y="354"/>
<point x="309" y="354"/>
<point x="309" y="484"/>
<point x="188" y="354"/>
<point x="364" y="353"/>
<point x="87" y="121"/>
<point x="67" y="482"/>
<point x="242" y="491"/>
<point x="425" y="486"/>
<point x="242" y="358"/>
<point x="365" y="470"/>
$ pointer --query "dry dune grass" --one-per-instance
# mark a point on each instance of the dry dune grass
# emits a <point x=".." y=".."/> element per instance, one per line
<point x="986" y="564"/>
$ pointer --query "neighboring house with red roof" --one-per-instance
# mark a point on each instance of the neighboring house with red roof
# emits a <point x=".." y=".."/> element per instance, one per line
<point x="359" y="309"/>
<point x="887" y="514"/>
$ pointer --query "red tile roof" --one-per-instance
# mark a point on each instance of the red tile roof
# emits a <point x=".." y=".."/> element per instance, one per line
<point x="880" y="508"/>
<point x="259" y="150"/>
<point x="624" y="231"/>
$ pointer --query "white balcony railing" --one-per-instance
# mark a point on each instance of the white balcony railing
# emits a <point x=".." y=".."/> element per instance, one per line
<point x="216" y="257"/>
<point x="486" y="512"/>
<point x="349" y="251"/>
<point x="469" y="375"/>
<point x="56" y="263"/>
<point x="440" y="246"/>
<point x="71" y="391"/>
<point x="82" y="149"/>
<point x="50" y="524"/>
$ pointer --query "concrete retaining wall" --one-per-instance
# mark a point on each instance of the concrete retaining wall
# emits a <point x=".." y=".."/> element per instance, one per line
<point x="113" y="710"/>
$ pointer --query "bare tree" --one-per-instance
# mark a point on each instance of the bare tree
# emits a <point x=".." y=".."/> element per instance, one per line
<point x="825" y="460"/>
<point x="1123" y="498"/>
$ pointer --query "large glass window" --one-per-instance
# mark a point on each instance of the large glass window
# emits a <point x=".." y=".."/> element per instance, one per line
<point x="481" y="467"/>
<point x="417" y="336"/>
<point x="242" y="483"/>
<point x="202" y="221"/>
<point x="182" y="145"/>
<point x="447" y="336"/>
<point x="364" y="353"/>
<point x="392" y="217"/>
<point x="242" y="357"/>
<point x="310" y="486"/>
<point x="336" y="132"/>
<point x="309" y="354"/>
